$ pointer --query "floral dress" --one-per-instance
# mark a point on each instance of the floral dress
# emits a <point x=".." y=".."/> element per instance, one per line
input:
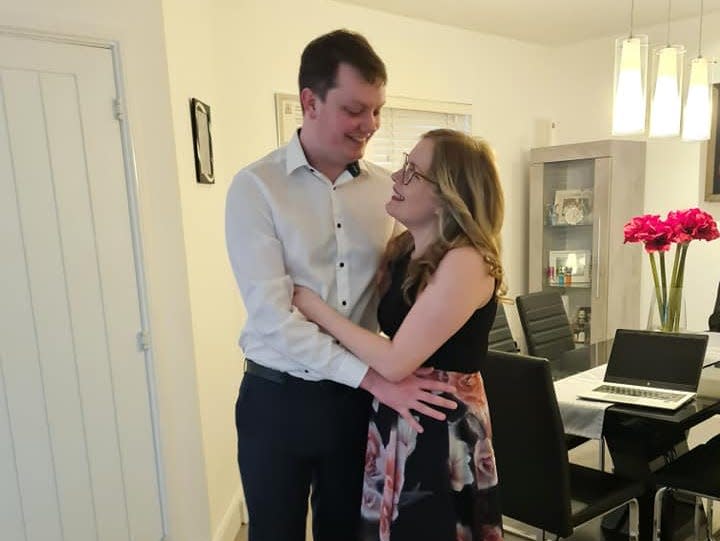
<point x="440" y="485"/>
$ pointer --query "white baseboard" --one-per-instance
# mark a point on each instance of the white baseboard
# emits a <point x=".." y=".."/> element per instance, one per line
<point x="235" y="516"/>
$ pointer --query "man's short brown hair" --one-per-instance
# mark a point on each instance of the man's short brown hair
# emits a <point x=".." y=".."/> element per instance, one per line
<point x="322" y="56"/>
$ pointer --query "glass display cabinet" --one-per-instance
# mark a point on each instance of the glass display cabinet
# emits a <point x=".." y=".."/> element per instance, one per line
<point x="581" y="195"/>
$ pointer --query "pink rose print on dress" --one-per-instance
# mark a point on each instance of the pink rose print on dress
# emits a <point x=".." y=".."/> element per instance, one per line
<point x="470" y="390"/>
<point x="484" y="460"/>
<point x="459" y="463"/>
<point x="462" y="533"/>
<point x="492" y="533"/>
<point x="385" y="469"/>
<point x="374" y="455"/>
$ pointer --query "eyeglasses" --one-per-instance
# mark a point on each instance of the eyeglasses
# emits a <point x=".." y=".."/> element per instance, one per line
<point x="408" y="172"/>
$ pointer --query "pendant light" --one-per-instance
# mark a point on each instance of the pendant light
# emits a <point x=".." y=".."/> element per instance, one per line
<point x="667" y="95"/>
<point x="697" y="115"/>
<point x="629" y="89"/>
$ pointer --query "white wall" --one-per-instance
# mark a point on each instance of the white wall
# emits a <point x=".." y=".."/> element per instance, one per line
<point x="194" y="69"/>
<point x="581" y="103"/>
<point x="137" y="26"/>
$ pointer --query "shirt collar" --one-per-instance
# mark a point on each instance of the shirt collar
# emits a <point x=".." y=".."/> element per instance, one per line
<point x="295" y="157"/>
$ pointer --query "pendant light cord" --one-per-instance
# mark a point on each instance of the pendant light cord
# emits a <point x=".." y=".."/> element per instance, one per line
<point x="700" y="32"/>
<point x="668" y="22"/>
<point x="632" y="13"/>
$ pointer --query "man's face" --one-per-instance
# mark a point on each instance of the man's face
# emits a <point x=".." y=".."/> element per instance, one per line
<point x="347" y="118"/>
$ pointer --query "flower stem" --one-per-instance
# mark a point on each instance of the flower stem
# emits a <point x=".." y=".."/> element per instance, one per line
<point x="678" y="286"/>
<point x="663" y="284"/>
<point x="658" y="297"/>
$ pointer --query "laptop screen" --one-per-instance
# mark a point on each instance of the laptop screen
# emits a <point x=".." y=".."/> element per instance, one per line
<point x="657" y="359"/>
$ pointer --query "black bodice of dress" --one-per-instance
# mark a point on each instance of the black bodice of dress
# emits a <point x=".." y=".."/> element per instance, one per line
<point x="464" y="351"/>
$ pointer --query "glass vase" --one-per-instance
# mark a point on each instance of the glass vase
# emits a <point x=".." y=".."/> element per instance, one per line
<point x="667" y="311"/>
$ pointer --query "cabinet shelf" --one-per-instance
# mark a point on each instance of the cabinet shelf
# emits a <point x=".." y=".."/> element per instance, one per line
<point x="571" y="286"/>
<point x="568" y="226"/>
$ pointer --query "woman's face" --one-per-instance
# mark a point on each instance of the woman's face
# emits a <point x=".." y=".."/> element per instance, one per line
<point x="414" y="202"/>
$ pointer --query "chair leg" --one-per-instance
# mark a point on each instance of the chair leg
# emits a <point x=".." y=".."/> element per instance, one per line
<point x="657" y="512"/>
<point x="601" y="453"/>
<point x="633" y="520"/>
<point x="697" y="517"/>
<point x="709" y="517"/>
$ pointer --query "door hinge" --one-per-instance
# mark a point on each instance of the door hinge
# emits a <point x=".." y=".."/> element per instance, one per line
<point x="118" y="109"/>
<point x="143" y="341"/>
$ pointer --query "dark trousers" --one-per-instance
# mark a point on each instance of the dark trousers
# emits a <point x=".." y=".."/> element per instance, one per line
<point x="294" y="435"/>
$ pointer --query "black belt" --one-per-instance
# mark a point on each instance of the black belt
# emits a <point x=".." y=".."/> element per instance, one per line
<point x="270" y="374"/>
<point x="264" y="372"/>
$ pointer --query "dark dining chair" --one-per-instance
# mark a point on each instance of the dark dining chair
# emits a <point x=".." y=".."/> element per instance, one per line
<point x="545" y="324"/>
<point x="714" y="319"/>
<point x="540" y="487"/>
<point x="695" y="474"/>
<point x="501" y="338"/>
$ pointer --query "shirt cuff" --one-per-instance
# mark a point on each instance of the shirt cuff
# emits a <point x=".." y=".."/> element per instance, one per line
<point x="351" y="370"/>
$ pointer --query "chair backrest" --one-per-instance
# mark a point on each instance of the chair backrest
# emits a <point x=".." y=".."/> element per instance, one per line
<point x="529" y="442"/>
<point x="714" y="319"/>
<point x="545" y="323"/>
<point x="501" y="338"/>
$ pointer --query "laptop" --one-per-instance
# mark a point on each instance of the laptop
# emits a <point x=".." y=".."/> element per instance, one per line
<point x="652" y="369"/>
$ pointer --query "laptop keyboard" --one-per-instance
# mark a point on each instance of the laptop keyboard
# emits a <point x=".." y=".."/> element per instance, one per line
<point x="664" y="396"/>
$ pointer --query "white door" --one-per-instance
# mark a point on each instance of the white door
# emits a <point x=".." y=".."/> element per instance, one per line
<point x="77" y="454"/>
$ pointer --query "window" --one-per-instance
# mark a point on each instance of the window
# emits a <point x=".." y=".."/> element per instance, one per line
<point x="401" y="128"/>
<point x="403" y="121"/>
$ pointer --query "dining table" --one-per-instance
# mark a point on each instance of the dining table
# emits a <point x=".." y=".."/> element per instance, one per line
<point x="640" y="440"/>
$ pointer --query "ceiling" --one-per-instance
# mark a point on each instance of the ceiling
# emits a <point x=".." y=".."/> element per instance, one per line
<point x="546" y="22"/>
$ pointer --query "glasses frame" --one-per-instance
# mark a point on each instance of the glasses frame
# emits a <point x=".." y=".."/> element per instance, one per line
<point x="408" y="172"/>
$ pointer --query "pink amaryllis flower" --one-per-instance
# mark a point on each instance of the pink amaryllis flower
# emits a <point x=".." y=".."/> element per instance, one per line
<point x="636" y="229"/>
<point x="656" y="234"/>
<point x="692" y="224"/>
<point x="680" y="227"/>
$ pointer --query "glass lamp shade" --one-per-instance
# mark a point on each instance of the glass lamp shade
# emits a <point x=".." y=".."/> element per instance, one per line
<point x="630" y="85"/>
<point x="697" y="115"/>
<point x="667" y="100"/>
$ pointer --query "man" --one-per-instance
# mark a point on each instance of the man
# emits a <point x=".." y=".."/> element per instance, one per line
<point x="312" y="213"/>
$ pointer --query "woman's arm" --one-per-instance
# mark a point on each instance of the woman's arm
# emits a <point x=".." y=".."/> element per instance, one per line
<point x="460" y="285"/>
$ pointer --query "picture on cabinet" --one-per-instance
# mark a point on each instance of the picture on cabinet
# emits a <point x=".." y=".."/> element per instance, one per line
<point x="573" y="207"/>
<point x="567" y="267"/>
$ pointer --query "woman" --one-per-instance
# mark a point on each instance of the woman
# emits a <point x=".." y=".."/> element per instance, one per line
<point x="440" y="281"/>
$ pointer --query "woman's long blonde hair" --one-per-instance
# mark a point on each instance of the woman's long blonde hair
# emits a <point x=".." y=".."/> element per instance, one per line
<point x="472" y="208"/>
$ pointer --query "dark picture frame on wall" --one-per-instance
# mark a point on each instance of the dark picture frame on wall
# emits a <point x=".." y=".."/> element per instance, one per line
<point x="712" y="174"/>
<point x="202" y="141"/>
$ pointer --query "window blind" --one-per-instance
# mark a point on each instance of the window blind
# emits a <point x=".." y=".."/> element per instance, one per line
<point x="401" y="128"/>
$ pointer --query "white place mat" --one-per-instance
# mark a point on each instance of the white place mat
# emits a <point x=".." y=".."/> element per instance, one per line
<point x="581" y="417"/>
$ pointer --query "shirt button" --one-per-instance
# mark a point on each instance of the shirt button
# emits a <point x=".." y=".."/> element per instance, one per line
<point x="339" y="226"/>
<point x="344" y="303"/>
<point x="334" y="188"/>
<point x="306" y="371"/>
<point x="342" y="264"/>
<point x="337" y="342"/>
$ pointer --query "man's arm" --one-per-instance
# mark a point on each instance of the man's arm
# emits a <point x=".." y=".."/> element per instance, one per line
<point x="256" y="256"/>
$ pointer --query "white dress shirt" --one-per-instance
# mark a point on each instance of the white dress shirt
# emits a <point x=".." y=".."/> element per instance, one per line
<point x="287" y="224"/>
